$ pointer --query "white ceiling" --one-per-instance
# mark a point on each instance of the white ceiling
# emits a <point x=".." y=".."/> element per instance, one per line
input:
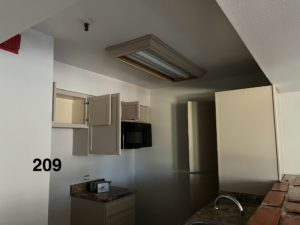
<point x="17" y="16"/>
<point x="196" y="28"/>
<point x="271" y="31"/>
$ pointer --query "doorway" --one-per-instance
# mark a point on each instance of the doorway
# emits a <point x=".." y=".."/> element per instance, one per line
<point x="203" y="158"/>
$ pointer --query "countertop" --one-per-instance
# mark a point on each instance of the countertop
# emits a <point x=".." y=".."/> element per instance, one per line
<point x="228" y="213"/>
<point x="293" y="190"/>
<point x="255" y="207"/>
<point x="81" y="191"/>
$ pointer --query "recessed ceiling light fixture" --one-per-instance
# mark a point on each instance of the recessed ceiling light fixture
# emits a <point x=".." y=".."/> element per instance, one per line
<point x="153" y="56"/>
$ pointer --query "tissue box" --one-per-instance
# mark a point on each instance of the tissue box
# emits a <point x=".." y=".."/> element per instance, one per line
<point x="98" y="186"/>
<point x="103" y="187"/>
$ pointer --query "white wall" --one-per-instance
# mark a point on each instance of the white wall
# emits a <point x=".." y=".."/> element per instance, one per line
<point x="28" y="13"/>
<point x="289" y="130"/>
<point x="166" y="192"/>
<point x="270" y="31"/>
<point x="25" y="133"/>
<point x="119" y="169"/>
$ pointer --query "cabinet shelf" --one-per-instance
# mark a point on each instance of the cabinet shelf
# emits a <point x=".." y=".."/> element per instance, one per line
<point x="69" y="109"/>
<point x="68" y="125"/>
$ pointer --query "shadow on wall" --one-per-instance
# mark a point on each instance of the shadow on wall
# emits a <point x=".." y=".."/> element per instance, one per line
<point x="180" y="129"/>
<point x="167" y="192"/>
<point x="180" y="137"/>
<point x="181" y="152"/>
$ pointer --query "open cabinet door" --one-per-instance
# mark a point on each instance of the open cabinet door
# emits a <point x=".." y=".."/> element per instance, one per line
<point x="100" y="110"/>
<point x="105" y="130"/>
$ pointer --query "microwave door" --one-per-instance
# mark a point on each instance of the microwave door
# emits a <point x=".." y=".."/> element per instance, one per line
<point x="133" y="139"/>
<point x="136" y="139"/>
<point x="136" y="135"/>
<point x="146" y="138"/>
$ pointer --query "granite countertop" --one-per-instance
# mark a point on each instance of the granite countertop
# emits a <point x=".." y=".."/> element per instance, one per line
<point x="256" y="208"/>
<point x="81" y="191"/>
<point x="228" y="213"/>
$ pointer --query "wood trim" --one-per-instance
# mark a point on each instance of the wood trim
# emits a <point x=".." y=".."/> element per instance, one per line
<point x="145" y="68"/>
<point x="129" y="47"/>
<point x="152" y="71"/>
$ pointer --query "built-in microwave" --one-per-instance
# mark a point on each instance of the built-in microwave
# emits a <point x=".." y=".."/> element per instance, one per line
<point x="136" y="135"/>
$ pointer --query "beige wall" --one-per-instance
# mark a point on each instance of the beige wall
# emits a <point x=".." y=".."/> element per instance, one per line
<point x="247" y="149"/>
<point x="25" y="133"/>
<point x="289" y="131"/>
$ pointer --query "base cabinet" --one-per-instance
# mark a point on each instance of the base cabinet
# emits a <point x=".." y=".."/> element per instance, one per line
<point x="125" y="218"/>
<point x="117" y="212"/>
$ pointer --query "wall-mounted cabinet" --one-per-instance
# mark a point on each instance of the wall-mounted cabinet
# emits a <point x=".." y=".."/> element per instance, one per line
<point x="69" y="109"/>
<point x="96" y="121"/>
<point x="135" y="111"/>
<point x="104" y="133"/>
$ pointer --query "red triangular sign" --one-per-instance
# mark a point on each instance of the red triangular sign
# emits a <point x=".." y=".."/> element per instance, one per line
<point x="12" y="44"/>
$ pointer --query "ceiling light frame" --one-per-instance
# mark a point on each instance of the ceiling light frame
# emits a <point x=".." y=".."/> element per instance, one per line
<point x="177" y="67"/>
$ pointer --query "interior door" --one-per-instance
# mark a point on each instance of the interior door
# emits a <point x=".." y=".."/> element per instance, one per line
<point x="202" y="137"/>
<point x="104" y="134"/>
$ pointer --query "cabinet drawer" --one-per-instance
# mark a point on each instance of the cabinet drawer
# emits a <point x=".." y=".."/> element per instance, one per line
<point x="120" y="205"/>
<point x="125" y="218"/>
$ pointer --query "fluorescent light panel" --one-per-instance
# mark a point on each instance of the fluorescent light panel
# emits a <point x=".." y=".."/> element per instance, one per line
<point x="151" y="55"/>
<point x="150" y="59"/>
